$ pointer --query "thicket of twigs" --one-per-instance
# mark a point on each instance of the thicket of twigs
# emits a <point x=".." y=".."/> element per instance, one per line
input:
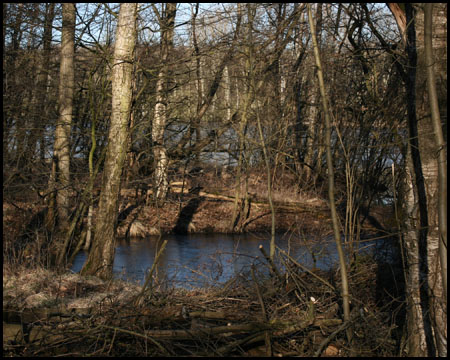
<point x="289" y="312"/>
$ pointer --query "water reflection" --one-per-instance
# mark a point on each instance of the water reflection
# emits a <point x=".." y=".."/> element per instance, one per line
<point x="198" y="259"/>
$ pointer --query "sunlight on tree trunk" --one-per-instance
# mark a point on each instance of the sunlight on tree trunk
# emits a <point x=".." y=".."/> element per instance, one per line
<point x="101" y="256"/>
<point x="62" y="131"/>
<point x="167" y="24"/>
<point x="426" y="306"/>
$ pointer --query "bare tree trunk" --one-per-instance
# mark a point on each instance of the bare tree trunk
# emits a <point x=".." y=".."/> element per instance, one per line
<point x="92" y="175"/>
<point x="237" y="209"/>
<point x="42" y="85"/>
<point x="240" y="165"/>
<point x="269" y="188"/>
<point x="226" y="74"/>
<point x="438" y="232"/>
<point x="337" y="235"/>
<point x="415" y="205"/>
<point x="427" y="306"/>
<point x="62" y="131"/>
<point x="440" y="143"/>
<point x="312" y="128"/>
<point x="167" y="24"/>
<point x="101" y="256"/>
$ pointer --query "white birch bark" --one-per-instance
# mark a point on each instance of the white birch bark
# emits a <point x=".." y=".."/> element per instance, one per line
<point x="101" y="257"/>
<point x="161" y="181"/>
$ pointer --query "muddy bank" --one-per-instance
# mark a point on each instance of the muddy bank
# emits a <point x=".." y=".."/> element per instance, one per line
<point x="206" y="212"/>
<point x="207" y="204"/>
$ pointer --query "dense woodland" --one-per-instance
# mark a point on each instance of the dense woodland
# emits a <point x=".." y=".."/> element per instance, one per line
<point x="347" y="102"/>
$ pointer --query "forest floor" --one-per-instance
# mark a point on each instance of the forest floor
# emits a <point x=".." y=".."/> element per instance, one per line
<point x="295" y="313"/>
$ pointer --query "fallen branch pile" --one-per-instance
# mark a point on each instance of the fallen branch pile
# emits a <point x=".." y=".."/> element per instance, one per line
<point x="292" y="312"/>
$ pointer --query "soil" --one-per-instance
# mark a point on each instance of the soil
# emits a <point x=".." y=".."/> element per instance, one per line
<point x="209" y="215"/>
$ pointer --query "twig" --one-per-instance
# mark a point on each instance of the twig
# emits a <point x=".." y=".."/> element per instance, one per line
<point x="150" y="274"/>
<point x="344" y="326"/>
<point x="271" y="263"/>
<point x="256" y="337"/>
<point x="307" y="270"/>
<point x="164" y="350"/>
<point x="112" y="341"/>
<point x="208" y="331"/>
<point x="264" y="314"/>
<point x="291" y="273"/>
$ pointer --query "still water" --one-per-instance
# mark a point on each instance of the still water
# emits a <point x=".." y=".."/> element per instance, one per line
<point x="201" y="259"/>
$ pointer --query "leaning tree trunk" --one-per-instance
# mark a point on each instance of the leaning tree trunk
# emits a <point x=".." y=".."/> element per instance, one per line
<point x="101" y="256"/>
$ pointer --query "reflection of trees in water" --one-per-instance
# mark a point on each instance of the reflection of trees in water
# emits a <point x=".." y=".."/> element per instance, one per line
<point x="187" y="212"/>
<point x="205" y="259"/>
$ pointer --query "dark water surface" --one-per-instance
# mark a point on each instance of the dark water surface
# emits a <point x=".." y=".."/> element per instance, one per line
<point x="201" y="259"/>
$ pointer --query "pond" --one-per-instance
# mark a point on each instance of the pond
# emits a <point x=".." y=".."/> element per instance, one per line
<point x="199" y="259"/>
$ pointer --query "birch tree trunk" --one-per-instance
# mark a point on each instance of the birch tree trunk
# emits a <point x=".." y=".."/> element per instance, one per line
<point x="161" y="182"/>
<point x="436" y="176"/>
<point x="426" y="298"/>
<point x="101" y="256"/>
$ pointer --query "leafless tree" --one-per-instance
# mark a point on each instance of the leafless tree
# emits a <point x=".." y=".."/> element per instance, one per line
<point x="101" y="256"/>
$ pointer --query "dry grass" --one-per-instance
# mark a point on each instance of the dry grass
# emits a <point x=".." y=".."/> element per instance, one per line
<point x="251" y="315"/>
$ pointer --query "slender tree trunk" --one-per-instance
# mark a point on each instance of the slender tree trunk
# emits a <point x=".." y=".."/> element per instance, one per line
<point x="337" y="235"/>
<point x="269" y="187"/>
<point x="438" y="232"/>
<point x="41" y="109"/>
<point x="440" y="143"/>
<point x="92" y="175"/>
<point x="299" y="122"/>
<point x="415" y="206"/>
<point x="40" y="112"/>
<point x="240" y="165"/>
<point x="237" y="208"/>
<point x="61" y="147"/>
<point x="101" y="256"/>
<point x="161" y="182"/>
<point x="226" y="74"/>
<point x="312" y="126"/>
